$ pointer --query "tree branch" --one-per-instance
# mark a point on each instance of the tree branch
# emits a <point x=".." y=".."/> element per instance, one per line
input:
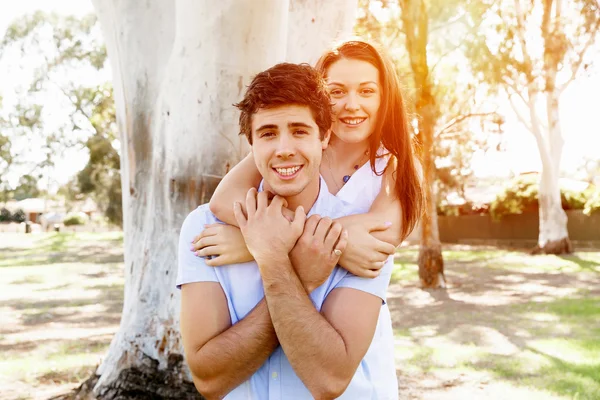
<point x="450" y="22"/>
<point x="520" y="116"/>
<point x="461" y="118"/>
<point x="577" y="64"/>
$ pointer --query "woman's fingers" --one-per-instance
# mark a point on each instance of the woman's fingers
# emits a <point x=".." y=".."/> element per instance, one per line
<point x="217" y="261"/>
<point x="208" y="251"/>
<point x="205" y="241"/>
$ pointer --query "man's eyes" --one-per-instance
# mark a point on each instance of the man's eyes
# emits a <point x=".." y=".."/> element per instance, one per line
<point x="267" y="134"/>
<point x="301" y="132"/>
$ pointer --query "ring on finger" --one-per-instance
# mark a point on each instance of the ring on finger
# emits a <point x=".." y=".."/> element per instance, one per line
<point x="337" y="252"/>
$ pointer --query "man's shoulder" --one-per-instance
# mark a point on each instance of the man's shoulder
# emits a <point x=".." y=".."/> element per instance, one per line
<point x="200" y="215"/>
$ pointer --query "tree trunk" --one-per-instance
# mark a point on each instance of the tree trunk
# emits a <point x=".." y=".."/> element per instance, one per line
<point x="177" y="69"/>
<point x="416" y="28"/>
<point x="553" y="236"/>
<point x="431" y="262"/>
<point x="315" y="24"/>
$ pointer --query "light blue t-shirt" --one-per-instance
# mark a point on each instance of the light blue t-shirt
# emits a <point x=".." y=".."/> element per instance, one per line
<point x="242" y="285"/>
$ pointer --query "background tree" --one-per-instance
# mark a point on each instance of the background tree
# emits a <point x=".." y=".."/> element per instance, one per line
<point x="531" y="51"/>
<point x="67" y="46"/>
<point x="27" y="188"/>
<point x="425" y="39"/>
<point x="175" y="80"/>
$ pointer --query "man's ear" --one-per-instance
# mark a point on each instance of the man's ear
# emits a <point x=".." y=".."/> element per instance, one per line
<point x="325" y="141"/>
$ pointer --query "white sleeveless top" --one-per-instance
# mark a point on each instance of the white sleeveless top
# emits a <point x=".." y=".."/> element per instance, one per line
<point x="361" y="190"/>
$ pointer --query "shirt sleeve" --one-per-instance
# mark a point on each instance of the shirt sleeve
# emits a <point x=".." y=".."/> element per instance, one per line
<point x="376" y="286"/>
<point x="192" y="268"/>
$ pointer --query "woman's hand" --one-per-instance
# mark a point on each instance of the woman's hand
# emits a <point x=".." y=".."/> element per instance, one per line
<point x="221" y="245"/>
<point x="365" y="255"/>
<point x="314" y="256"/>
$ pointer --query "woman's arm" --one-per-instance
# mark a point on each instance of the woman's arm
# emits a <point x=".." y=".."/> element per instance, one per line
<point x="374" y="236"/>
<point x="234" y="187"/>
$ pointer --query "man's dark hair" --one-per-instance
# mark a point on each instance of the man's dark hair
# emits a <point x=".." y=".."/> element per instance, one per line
<point x="286" y="84"/>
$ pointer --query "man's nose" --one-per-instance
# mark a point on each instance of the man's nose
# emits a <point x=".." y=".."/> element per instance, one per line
<point x="352" y="103"/>
<point x="285" y="147"/>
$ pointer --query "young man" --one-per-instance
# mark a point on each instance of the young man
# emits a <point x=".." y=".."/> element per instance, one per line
<point x="290" y="325"/>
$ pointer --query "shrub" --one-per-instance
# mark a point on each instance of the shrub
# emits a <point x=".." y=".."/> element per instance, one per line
<point x="522" y="193"/>
<point x="467" y="208"/>
<point x="5" y="215"/>
<point x="19" y="216"/>
<point x="74" y="219"/>
<point x="592" y="205"/>
<point x="519" y="196"/>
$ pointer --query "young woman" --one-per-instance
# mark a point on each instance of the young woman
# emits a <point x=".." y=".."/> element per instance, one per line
<point x="370" y="162"/>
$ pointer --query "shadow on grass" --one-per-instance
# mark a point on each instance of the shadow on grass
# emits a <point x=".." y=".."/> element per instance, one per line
<point x="593" y="266"/>
<point x="34" y="313"/>
<point x="89" y="254"/>
<point x="532" y="309"/>
<point x="578" y="381"/>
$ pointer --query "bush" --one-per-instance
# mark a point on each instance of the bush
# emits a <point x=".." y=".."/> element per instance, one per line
<point x="468" y="208"/>
<point x="593" y="204"/>
<point x="74" y="219"/>
<point x="5" y="215"/>
<point x="521" y="195"/>
<point x="19" y="216"/>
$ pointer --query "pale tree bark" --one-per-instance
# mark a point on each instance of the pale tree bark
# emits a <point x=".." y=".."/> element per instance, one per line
<point x="315" y="24"/>
<point x="415" y="22"/>
<point x="177" y="69"/>
<point x="553" y="235"/>
<point x="541" y="88"/>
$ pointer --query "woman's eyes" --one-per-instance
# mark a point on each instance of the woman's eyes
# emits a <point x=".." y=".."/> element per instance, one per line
<point x="339" y="92"/>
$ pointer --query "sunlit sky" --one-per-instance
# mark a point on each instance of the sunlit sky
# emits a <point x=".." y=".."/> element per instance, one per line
<point x="580" y="105"/>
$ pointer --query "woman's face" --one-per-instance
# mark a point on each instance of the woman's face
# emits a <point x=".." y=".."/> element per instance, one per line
<point x="355" y="91"/>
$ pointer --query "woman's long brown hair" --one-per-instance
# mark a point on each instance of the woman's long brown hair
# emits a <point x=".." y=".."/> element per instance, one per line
<point x="391" y="129"/>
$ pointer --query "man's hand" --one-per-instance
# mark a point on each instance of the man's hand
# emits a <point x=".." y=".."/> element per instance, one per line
<point x="268" y="234"/>
<point x="313" y="256"/>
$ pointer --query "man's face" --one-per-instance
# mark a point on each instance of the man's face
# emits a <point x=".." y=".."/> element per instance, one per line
<point x="287" y="148"/>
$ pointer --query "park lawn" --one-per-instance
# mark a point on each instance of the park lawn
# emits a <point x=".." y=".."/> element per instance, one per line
<point x="61" y="297"/>
<point x="510" y="325"/>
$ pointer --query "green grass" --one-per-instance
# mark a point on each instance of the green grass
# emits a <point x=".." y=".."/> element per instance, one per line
<point x="547" y="340"/>
<point x="62" y="296"/>
<point x="51" y="248"/>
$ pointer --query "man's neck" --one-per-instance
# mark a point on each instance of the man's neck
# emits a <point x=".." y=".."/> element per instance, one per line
<point x="306" y="198"/>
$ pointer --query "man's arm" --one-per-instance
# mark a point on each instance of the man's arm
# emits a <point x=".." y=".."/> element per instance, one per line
<point x="324" y="348"/>
<point x="221" y="356"/>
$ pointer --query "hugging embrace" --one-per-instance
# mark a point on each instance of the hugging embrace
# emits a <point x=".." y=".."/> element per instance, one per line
<point x="283" y="292"/>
